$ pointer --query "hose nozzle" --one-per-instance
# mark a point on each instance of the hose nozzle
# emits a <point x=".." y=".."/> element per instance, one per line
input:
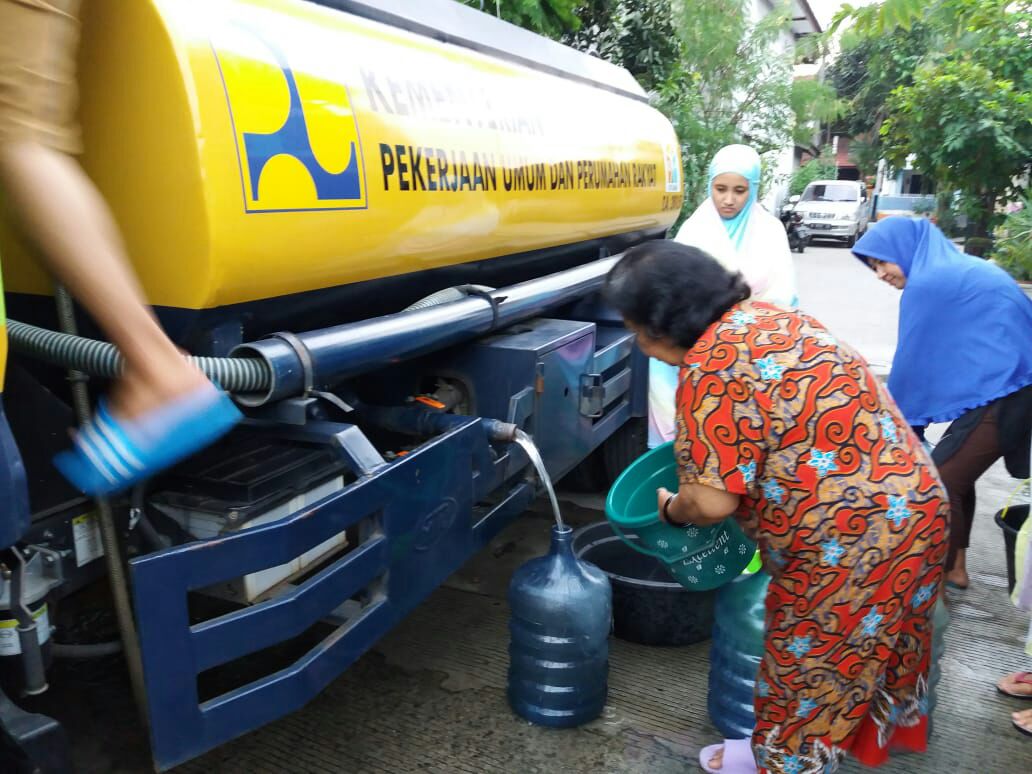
<point x="497" y="430"/>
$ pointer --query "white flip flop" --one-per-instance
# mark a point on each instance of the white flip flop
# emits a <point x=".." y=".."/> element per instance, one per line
<point x="738" y="757"/>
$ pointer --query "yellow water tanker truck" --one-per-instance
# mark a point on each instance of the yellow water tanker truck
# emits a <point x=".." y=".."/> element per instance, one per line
<point x="381" y="225"/>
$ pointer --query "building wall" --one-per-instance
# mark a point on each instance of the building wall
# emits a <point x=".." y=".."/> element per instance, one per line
<point x="785" y="162"/>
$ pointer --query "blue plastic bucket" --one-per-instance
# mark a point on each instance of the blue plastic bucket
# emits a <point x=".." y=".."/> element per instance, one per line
<point x="699" y="558"/>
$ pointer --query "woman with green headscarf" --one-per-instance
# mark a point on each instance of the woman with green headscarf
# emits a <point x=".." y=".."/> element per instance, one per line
<point x="735" y="229"/>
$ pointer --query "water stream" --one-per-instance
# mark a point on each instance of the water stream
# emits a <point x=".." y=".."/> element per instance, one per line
<point x="527" y="444"/>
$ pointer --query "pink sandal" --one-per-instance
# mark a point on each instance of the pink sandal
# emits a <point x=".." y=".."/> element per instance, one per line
<point x="1021" y="678"/>
<point x="738" y="757"/>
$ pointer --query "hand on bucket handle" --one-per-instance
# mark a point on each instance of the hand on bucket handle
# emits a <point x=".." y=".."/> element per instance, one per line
<point x="665" y="499"/>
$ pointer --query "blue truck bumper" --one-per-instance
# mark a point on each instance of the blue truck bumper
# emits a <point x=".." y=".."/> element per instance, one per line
<point x="418" y="520"/>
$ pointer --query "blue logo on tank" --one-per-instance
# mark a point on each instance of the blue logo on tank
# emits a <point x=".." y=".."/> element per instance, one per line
<point x="281" y="169"/>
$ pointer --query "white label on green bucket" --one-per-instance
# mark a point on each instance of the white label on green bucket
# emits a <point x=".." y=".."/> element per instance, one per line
<point x="722" y="540"/>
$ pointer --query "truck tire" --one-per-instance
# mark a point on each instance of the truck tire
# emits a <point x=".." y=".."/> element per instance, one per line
<point x="625" y="446"/>
<point x="851" y="241"/>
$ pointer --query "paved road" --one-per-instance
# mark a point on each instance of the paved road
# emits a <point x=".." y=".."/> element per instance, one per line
<point x="839" y="291"/>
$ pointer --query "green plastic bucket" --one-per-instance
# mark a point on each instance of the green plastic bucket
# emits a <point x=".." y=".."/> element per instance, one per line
<point x="699" y="558"/>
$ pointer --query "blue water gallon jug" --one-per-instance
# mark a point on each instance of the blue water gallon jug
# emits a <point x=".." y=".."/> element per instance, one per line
<point x="561" y="611"/>
<point x="737" y="650"/>
<point x="735" y="653"/>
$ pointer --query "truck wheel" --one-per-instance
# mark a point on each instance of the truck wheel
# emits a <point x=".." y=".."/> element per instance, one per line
<point x="851" y="241"/>
<point x="625" y="446"/>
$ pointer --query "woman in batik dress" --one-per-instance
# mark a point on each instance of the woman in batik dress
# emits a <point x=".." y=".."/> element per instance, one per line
<point x="787" y="430"/>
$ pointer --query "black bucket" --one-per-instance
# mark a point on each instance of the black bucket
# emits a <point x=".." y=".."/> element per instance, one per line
<point x="1010" y="524"/>
<point x="649" y="607"/>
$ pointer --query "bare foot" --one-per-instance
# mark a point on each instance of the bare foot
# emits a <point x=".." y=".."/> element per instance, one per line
<point x="958" y="574"/>
<point x="958" y="578"/>
<point x="1023" y="719"/>
<point x="1016" y="684"/>
<point x="717" y="761"/>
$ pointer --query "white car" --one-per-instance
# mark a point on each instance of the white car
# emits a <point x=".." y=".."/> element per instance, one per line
<point x="834" y="209"/>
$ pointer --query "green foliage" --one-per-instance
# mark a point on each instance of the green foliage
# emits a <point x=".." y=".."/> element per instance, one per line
<point x="820" y="168"/>
<point x="947" y="82"/>
<point x="924" y="207"/>
<point x="968" y="129"/>
<point x="1013" y="250"/>
<point x="868" y="70"/>
<point x="552" y="18"/>
<point x="813" y="103"/>
<point x="719" y="77"/>
<point x="725" y="85"/>
<point x="979" y="246"/>
<point x="946" y="215"/>
<point x="887" y="16"/>
<point x="954" y="17"/>
<point x="638" y="35"/>
<point x="709" y="69"/>
<point x="866" y="153"/>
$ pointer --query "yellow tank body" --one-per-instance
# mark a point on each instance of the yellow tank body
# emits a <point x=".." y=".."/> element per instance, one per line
<point x="252" y="149"/>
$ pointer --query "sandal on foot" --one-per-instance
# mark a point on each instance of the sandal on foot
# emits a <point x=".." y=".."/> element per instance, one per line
<point x="738" y="757"/>
<point x="1022" y="728"/>
<point x="1022" y="678"/>
<point x="110" y="455"/>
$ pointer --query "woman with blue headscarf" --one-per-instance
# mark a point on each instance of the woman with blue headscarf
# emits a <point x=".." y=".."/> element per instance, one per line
<point x="735" y="229"/>
<point x="964" y="356"/>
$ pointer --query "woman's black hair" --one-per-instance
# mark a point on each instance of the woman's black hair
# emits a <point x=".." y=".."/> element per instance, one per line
<point x="672" y="290"/>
